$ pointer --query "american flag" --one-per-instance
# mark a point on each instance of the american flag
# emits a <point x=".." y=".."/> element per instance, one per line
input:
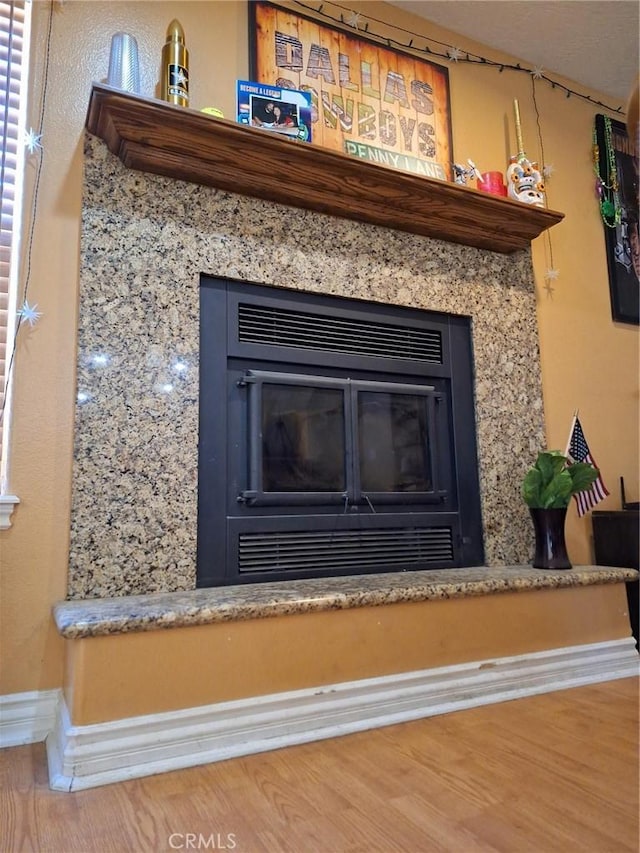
<point x="578" y="451"/>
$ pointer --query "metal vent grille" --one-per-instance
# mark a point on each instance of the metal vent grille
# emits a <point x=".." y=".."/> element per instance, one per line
<point x="351" y="549"/>
<point x="279" y="327"/>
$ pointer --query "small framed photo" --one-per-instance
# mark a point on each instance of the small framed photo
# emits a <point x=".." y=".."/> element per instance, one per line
<point x="286" y="112"/>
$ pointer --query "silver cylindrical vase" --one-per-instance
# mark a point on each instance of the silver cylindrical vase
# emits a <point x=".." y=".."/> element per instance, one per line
<point x="124" y="67"/>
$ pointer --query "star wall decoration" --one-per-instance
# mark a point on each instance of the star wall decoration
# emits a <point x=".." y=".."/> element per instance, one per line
<point x="32" y="141"/>
<point x="353" y="20"/>
<point x="547" y="171"/>
<point x="454" y="54"/>
<point x="29" y="314"/>
<point x="537" y="72"/>
<point x="550" y="276"/>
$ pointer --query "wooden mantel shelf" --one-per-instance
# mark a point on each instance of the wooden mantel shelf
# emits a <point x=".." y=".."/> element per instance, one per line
<point x="154" y="136"/>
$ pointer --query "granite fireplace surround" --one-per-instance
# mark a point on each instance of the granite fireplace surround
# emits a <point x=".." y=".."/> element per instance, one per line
<point x="145" y="242"/>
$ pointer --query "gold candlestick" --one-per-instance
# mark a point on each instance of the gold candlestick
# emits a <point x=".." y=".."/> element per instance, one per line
<point x="516" y="110"/>
<point x="524" y="180"/>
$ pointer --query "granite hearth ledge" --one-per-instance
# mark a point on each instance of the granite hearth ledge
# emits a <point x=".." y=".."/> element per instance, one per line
<point x="101" y="616"/>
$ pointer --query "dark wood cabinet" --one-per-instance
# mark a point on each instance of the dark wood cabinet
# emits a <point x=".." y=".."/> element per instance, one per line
<point x="616" y="542"/>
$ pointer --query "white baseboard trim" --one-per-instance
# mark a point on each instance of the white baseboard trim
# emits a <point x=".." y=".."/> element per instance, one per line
<point x="87" y="756"/>
<point x="27" y="717"/>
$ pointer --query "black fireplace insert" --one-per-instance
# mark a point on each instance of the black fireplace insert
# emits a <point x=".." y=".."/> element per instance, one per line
<point x="337" y="437"/>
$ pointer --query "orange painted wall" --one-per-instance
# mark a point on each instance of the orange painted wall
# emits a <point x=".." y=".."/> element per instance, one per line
<point x="587" y="360"/>
<point x="113" y="677"/>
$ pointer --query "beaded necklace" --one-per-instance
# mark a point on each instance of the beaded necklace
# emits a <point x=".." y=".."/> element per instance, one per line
<point x="607" y="190"/>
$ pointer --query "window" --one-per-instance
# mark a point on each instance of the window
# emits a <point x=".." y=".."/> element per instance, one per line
<point x="14" y="37"/>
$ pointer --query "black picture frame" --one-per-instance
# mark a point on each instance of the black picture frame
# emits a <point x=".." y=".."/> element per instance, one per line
<point x="622" y="241"/>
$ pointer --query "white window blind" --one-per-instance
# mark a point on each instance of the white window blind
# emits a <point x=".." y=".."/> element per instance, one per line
<point x="14" y="23"/>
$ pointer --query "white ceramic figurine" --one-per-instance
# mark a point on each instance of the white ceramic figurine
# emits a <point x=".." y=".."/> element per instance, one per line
<point x="525" y="182"/>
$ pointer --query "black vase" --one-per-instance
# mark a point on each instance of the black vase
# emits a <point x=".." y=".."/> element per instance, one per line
<point x="551" y="550"/>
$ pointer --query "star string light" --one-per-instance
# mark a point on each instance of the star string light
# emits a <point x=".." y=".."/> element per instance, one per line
<point x="33" y="141"/>
<point x="447" y="51"/>
<point x="353" y="20"/>
<point x="550" y="276"/>
<point x="29" y="314"/>
<point x="547" y="171"/>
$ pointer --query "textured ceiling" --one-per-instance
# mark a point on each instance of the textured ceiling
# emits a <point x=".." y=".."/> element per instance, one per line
<point x="592" y="42"/>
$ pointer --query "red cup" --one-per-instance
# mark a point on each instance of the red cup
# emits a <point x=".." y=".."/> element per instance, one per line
<point x="493" y="183"/>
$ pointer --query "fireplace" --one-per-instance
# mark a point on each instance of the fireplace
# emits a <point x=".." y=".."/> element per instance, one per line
<point x="336" y="437"/>
<point x="146" y="241"/>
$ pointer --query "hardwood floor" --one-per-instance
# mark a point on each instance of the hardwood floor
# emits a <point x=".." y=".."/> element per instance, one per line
<point x="557" y="772"/>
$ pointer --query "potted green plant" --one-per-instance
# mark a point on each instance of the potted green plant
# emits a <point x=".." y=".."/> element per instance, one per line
<point x="547" y="489"/>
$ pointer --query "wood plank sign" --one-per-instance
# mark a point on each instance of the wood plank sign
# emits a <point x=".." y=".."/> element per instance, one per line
<point x="368" y="100"/>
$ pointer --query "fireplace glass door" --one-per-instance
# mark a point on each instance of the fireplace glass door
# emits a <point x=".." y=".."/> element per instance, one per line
<point x="322" y="439"/>
<point x="298" y="439"/>
<point x="393" y="440"/>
